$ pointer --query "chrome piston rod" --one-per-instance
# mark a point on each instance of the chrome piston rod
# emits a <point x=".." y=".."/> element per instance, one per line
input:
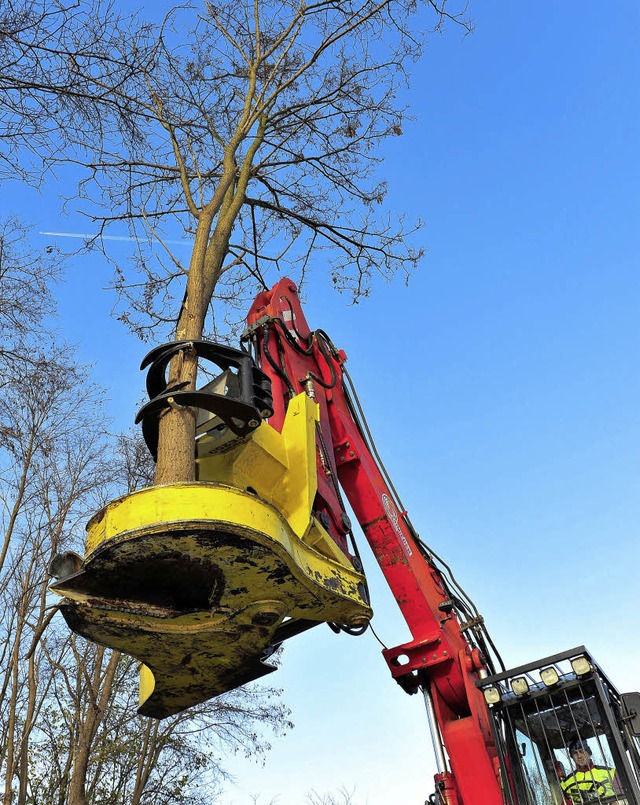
<point x="438" y="747"/>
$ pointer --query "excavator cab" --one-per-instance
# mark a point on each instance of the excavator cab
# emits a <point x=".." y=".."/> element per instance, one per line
<point x="554" y="714"/>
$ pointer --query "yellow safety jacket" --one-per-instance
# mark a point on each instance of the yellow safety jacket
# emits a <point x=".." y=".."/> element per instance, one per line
<point x="589" y="785"/>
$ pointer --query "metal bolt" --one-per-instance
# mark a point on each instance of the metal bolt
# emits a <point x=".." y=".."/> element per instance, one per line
<point x="323" y="517"/>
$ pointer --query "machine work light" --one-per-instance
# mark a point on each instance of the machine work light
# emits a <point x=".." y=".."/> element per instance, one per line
<point x="492" y="695"/>
<point x="549" y="676"/>
<point x="581" y="665"/>
<point x="519" y="685"/>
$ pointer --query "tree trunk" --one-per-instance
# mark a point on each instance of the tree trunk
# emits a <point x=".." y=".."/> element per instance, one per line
<point x="99" y="695"/>
<point x="177" y="431"/>
<point x="26" y="733"/>
<point x="13" y="707"/>
<point x="148" y="754"/>
<point x="17" y="505"/>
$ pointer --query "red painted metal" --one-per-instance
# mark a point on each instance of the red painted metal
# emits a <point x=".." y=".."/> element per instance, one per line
<point x="447" y="788"/>
<point x="438" y="657"/>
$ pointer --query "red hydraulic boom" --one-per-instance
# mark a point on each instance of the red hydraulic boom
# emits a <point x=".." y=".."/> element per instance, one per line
<point x="440" y="659"/>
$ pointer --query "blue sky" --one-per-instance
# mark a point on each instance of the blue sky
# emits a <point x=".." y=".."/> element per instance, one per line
<point x="501" y="385"/>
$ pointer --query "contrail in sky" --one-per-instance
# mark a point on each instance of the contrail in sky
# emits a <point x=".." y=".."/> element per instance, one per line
<point x="85" y="236"/>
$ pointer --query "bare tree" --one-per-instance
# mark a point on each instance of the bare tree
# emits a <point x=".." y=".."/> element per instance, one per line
<point x="67" y="733"/>
<point x="131" y="759"/>
<point x="341" y="797"/>
<point x="41" y="108"/>
<point x="256" y="137"/>
<point x="26" y="280"/>
<point x="52" y="460"/>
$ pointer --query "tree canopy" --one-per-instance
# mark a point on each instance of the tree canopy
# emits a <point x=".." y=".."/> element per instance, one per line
<point x="251" y="129"/>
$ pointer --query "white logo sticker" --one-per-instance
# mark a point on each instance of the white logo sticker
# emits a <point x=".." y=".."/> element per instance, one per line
<point x="392" y="513"/>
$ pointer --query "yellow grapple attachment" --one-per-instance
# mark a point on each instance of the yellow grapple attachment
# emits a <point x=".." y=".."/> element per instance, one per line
<point x="197" y="581"/>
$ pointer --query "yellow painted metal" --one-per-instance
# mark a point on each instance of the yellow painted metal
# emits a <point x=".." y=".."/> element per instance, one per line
<point x="280" y="467"/>
<point x="212" y="523"/>
<point x="195" y="579"/>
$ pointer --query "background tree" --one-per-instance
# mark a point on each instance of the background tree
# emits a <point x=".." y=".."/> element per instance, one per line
<point x="41" y="110"/>
<point x="26" y="281"/>
<point x="69" y="733"/>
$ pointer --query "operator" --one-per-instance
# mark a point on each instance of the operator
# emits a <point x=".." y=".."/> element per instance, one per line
<point x="588" y="783"/>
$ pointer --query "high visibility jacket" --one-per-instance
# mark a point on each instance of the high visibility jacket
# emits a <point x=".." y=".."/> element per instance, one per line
<point x="589" y="785"/>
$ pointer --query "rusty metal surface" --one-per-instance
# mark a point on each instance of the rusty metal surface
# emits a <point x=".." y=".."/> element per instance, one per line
<point x="190" y="661"/>
<point x="198" y="600"/>
<point x="173" y="569"/>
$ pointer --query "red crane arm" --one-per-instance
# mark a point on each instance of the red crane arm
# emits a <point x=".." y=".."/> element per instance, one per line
<point x="439" y="659"/>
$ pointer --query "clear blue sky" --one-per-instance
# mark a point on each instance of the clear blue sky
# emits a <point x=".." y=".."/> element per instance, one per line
<point x="501" y="385"/>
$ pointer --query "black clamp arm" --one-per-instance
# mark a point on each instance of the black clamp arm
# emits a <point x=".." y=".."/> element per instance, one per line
<point x="241" y="410"/>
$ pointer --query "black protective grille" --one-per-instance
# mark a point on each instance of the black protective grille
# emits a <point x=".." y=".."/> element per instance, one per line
<point x="537" y="725"/>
